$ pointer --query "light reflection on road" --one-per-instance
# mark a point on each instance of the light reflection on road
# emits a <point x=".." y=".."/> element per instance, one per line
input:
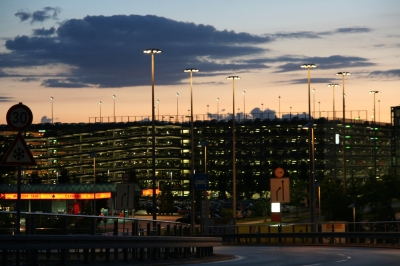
<point x="306" y="256"/>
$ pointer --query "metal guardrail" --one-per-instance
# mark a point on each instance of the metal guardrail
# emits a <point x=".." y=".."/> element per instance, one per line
<point x="301" y="238"/>
<point x="35" y="248"/>
<point x="31" y="242"/>
<point x="125" y="238"/>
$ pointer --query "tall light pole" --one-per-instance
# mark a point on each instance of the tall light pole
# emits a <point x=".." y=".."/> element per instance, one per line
<point x="290" y="114"/>
<point x="333" y="86"/>
<point x="153" y="128"/>
<point x="343" y="74"/>
<point x="233" y="145"/>
<point x="158" y="109"/>
<point x="279" y="109"/>
<point x="313" y="93"/>
<point x="177" y="112"/>
<point x="319" y="109"/>
<point x="379" y="104"/>
<point x="262" y="110"/>
<point x="244" y="105"/>
<point x="100" y="110"/>
<point x="374" y="93"/>
<point x="190" y="71"/>
<point x="373" y="126"/>
<point x="218" y="108"/>
<point x="311" y="152"/>
<point x="51" y="99"/>
<point x="114" y="106"/>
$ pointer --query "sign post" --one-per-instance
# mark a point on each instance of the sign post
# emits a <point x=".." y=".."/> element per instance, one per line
<point x="280" y="193"/>
<point x="19" y="117"/>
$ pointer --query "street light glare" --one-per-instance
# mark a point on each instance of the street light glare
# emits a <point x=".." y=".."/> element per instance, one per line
<point x="191" y="70"/>
<point x="333" y="85"/>
<point x="343" y="74"/>
<point x="152" y="51"/>
<point x="308" y="66"/>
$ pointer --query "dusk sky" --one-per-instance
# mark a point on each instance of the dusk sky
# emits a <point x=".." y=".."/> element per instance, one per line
<point x="84" y="52"/>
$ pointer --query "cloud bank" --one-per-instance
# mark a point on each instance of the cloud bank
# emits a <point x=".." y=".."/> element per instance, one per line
<point x="104" y="52"/>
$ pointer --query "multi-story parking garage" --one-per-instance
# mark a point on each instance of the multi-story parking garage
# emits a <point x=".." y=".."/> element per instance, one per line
<point x="261" y="146"/>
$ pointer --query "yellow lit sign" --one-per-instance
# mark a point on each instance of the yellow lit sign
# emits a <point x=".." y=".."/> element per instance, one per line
<point x="57" y="196"/>
<point x="149" y="192"/>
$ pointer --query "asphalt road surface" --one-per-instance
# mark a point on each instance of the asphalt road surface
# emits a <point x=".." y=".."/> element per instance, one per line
<point x="307" y="256"/>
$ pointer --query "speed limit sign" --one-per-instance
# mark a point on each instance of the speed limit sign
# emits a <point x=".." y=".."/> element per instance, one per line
<point x="19" y="117"/>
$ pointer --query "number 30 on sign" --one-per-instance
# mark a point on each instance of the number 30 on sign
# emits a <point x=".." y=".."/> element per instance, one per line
<point x="19" y="117"/>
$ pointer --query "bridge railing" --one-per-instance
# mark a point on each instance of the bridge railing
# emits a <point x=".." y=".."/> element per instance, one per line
<point x="360" y="233"/>
<point x="86" y="238"/>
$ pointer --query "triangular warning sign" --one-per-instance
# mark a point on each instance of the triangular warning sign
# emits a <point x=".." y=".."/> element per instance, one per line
<point x="18" y="154"/>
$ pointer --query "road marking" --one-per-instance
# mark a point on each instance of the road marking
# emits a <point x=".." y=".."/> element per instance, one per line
<point x="225" y="261"/>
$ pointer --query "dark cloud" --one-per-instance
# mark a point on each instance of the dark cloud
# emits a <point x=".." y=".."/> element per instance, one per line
<point x="108" y="51"/>
<point x="296" y="35"/>
<point x="388" y="74"/>
<point x="64" y="83"/>
<point x="5" y="99"/>
<point x="331" y="62"/>
<point x="29" y="79"/>
<point x="316" y="35"/>
<point x="44" y="32"/>
<point x="353" y="30"/>
<point x="23" y="15"/>
<point x="40" y="15"/>
<point x="315" y="80"/>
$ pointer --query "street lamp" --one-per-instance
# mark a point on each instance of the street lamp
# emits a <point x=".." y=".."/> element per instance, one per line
<point x="190" y="71"/>
<point x="153" y="128"/>
<point x="52" y="98"/>
<point x="333" y="86"/>
<point x="290" y="114"/>
<point x="218" y="108"/>
<point x="379" y="104"/>
<point x="319" y="109"/>
<point x="343" y="74"/>
<point x="114" y="106"/>
<point x="373" y="126"/>
<point x="177" y="113"/>
<point x="100" y="110"/>
<point x="262" y="111"/>
<point x="279" y="109"/>
<point x="233" y="145"/>
<point x="313" y="93"/>
<point x="244" y="105"/>
<point x="374" y="93"/>
<point x="311" y="152"/>
<point x="309" y="66"/>
<point x="158" y="109"/>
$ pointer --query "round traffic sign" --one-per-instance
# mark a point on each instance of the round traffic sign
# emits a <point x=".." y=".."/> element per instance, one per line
<point x="279" y="172"/>
<point x="126" y="177"/>
<point x="19" y="117"/>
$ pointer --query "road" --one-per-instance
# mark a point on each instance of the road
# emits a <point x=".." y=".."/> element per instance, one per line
<point x="285" y="256"/>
